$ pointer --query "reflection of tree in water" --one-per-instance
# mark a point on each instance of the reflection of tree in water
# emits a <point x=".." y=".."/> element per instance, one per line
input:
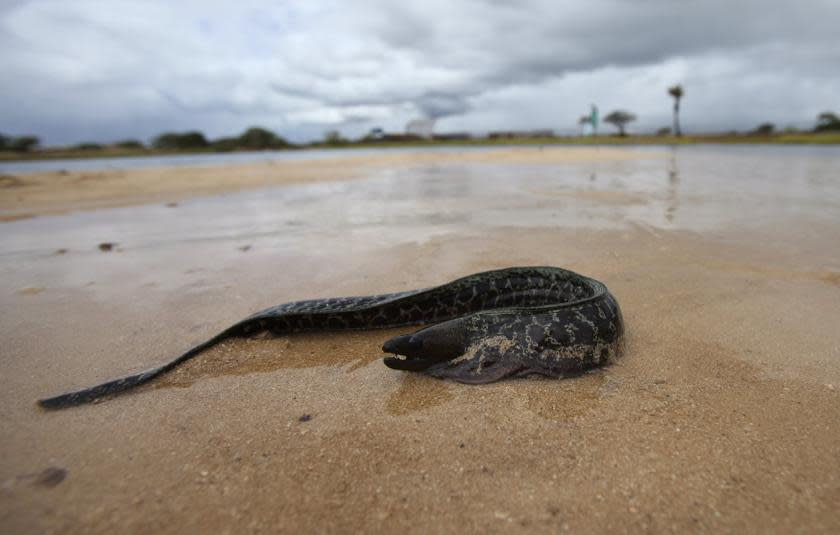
<point x="672" y="200"/>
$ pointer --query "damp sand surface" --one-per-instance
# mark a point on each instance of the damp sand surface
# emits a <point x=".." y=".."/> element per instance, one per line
<point x="49" y="191"/>
<point x="722" y="416"/>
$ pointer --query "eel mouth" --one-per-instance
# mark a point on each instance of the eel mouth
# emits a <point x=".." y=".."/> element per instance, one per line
<point x="409" y="364"/>
<point x="408" y="354"/>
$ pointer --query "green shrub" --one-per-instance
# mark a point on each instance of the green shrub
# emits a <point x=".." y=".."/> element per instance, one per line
<point x="226" y="144"/>
<point x="176" y="141"/>
<point x="129" y="144"/>
<point x="88" y="145"/>
<point x="333" y="138"/>
<point x="764" y="129"/>
<point x="260" y="138"/>
<point x="827" y="122"/>
<point x="22" y="143"/>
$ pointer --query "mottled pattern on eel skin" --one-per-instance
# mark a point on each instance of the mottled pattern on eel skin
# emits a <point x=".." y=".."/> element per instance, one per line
<point x="513" y="321"/>
<point x="557" y="342"/>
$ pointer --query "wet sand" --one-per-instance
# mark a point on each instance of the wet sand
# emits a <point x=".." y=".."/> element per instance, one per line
<point x="62" y="191"/>
<point x="721" y="417"/>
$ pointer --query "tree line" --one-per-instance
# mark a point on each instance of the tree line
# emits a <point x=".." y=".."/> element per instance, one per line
<point x="826" y="121"/>
<point x="254" y="138"/>
<point x="620" y="118"/>
<point x="258" y="138"/>
<point x="18" y="144"/>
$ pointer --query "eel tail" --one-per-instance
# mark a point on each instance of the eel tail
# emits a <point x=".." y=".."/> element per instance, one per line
<point x="118" y="386"/>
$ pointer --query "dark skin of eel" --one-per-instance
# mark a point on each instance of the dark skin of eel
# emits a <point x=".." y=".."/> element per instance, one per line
<point x="481" y="328"/>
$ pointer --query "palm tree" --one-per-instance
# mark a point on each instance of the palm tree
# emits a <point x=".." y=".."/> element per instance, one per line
<point x="676" y="92"/>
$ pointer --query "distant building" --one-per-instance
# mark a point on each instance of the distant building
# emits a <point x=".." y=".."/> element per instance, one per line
<point x="420" y="127"/>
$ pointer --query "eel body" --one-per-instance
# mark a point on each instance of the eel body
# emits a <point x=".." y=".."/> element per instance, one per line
<point x="481" y="328"/>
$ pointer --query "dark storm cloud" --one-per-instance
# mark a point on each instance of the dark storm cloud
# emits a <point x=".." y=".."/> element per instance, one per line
<point x="93" y="70"/>
<point x="530" y="41"/>
<point x="436" y="105"/>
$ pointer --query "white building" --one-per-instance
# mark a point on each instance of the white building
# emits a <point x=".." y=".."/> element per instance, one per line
<point x="420" y="127"/>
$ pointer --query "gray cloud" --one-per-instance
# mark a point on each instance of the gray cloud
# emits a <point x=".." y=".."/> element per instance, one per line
<point x="92" y="70"/>
<point x="436" y="105"/>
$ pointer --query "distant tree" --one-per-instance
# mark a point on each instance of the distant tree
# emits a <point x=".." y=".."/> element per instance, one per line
<point x="4" y="141"/>
<point x="88" y="145"/>
<point x="193" y="139"/>
<point x="333" y="137"/>
<point x="664" y="131"/>
<point x="260" y="138"/>
<point x="764" y="129"/>
<point x="129" y="144"/>
<point x="225" y="144"/>
<point x="619" y="119"/>
<point x="374" y="134"/>
<point x="165" y="141"/>
<point x="676" y="91"/>
<point x="827" y="122"/>
<point x="175" y="141"/>
<point x="23" y="143"/>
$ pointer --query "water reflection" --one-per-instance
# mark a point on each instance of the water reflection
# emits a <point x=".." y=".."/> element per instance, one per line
<point x="709" y="188"/>
<point x="671" y="198"/>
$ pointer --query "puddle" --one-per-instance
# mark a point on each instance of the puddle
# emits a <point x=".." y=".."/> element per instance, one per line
<point x="684" y="190"/>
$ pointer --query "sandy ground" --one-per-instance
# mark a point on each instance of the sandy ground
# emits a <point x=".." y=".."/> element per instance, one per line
<point x="721" y="417"/>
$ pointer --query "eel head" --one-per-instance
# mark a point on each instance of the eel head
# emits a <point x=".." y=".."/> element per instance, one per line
<point x="449" y="350"/>
<point x="426" y="347"/>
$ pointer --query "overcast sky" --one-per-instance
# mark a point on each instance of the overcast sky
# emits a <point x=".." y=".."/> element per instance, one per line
<point x="105" y="70"/>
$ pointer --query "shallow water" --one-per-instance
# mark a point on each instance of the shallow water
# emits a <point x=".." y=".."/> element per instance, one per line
<point x="725" y="191"/>
<point x="213" y="159"/>
<point x="696" y="189"/>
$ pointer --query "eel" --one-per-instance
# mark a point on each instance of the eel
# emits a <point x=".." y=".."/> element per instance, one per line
<point x="480" y="328"/>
